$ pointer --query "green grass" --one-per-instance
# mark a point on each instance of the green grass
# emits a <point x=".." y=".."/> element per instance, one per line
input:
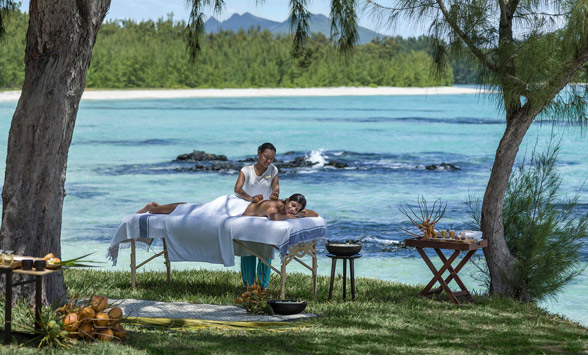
<point x="385" y="318"/>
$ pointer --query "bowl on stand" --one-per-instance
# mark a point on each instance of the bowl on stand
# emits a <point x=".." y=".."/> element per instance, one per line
<point x="343" y="249"/>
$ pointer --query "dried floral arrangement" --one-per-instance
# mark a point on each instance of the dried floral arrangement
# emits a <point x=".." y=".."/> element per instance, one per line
<point x="423" y="217"/>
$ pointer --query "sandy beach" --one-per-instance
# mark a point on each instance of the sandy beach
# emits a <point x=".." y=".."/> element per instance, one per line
<point x="263" y="92"/>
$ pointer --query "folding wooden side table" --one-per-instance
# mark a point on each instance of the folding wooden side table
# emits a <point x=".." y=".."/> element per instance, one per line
<point x="457" y="247"/>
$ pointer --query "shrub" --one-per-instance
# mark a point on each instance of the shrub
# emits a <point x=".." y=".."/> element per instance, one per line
<point x="543" y="231"/>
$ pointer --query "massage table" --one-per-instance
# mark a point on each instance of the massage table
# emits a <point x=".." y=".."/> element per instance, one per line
<point x="215" y="232"/>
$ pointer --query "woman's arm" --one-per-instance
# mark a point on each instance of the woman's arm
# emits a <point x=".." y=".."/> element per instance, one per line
<point x="240" y="192"/>
<point x="307" y="213"/>
<point x="275" y="215"/>
<point x="275" y="188"/>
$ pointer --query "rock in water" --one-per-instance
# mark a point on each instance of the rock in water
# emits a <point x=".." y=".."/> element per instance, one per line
<point x="442" y="166"/>
<point x="299" y="162"/>
<point x="198" y="155"/>
<point x="337" y="164"/>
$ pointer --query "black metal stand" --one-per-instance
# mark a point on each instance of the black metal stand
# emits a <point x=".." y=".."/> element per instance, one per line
<point x="351" y="259"/>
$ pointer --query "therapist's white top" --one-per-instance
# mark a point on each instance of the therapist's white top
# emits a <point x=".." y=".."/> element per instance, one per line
<point x="259" y="185"/>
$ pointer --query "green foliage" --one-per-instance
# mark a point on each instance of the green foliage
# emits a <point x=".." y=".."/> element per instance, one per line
<point x="543" y="232"/>
<point x="12" y="50"/>
<point x="151" y="54"/>
<point x="51" y="331"/>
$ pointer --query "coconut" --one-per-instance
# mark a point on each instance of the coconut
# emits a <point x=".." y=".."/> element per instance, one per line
<point x="119" y="332"/>
<point x="101" y="319"/>
<point x="115" y="313"/>
<point x="99" y="303"/>
<point x="48" y="256"/>
<point x="86" y="331"/>
<point x="70" y="319"/>
<point x="86" y="313"/>
<point x="105" y="334"/>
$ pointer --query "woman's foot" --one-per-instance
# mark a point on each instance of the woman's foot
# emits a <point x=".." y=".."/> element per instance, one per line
<point x="148" y="207"/>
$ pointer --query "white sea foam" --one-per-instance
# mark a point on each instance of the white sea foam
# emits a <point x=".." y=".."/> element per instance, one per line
<point x="318" y="157"/>
<point x="377" y="240"/>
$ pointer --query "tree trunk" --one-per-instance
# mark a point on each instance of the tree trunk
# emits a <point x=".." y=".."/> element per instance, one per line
<point x="500" y="261"/>
<point x="60" y="39"/>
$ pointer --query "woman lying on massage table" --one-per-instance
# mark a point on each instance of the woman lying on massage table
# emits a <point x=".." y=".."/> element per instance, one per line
<point x="279" y="210"/>
<point x="276" y="210"/>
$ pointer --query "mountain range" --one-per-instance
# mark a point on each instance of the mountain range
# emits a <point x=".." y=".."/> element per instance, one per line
<point x="318" y="24"/>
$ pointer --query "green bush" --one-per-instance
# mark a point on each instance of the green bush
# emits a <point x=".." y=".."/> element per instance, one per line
<point x="542" y="230"/>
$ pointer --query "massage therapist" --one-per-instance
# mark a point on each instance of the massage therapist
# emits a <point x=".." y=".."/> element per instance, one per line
<point x="256" y="183"/>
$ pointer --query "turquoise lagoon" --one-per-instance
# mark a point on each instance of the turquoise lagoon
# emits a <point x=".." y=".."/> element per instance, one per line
<point x="123" y="152"/>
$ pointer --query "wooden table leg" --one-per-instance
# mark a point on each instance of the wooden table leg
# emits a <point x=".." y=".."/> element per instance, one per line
<point x="167" y="263"/>
<point x="314" y="270"/>
<point x="283" y="279"/>
<point x="438" y="275"/>
<point x="453" y="273"/>
<point x="333" y="265"/>
<point x="133" y="264"/>
<point x="8" y="308"/>
<point x="352" y="275"/>
<point x="38" y="301"/>
<point x="344" y="279"/>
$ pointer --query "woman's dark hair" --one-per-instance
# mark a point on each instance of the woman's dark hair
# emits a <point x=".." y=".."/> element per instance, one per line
<point x="300" y="199"/>
<point x="265" y="146"/>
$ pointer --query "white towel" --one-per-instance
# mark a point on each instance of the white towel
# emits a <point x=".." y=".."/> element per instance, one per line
<point x="205" y="232"/>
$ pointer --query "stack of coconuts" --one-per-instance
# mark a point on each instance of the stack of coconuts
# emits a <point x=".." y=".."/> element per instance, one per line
<point x="93" y="321"/>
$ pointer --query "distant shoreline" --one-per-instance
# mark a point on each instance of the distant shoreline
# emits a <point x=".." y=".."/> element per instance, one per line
<point x="130" y="94"/>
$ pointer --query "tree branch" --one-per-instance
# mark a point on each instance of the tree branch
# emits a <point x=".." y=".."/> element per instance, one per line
<point x="467" y="40"/>
<point x="395" y="9"/>
<point x="557" y="82"/>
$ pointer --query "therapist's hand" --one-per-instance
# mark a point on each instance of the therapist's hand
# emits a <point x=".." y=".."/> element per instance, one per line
<point x="257" y="198"/>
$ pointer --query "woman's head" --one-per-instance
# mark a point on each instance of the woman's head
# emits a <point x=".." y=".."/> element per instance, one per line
<point x="265" y="146"/>
<point x="295" y="203"/>
<point x="266" y="154"/>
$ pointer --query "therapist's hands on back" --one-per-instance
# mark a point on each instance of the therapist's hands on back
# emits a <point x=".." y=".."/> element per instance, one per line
<point x="257" y="198"/>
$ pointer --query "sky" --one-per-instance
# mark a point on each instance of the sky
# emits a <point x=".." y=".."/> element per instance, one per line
<point x="276" y="10"/>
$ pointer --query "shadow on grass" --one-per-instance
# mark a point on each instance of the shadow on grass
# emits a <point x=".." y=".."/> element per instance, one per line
<point x="385" y="318"/>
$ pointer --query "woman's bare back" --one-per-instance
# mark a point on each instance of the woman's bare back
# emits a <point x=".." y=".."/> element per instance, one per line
<point x="263" y="208"/>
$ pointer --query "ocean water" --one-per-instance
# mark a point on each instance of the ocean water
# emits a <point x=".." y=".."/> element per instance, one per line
<point x="123" y="153"/>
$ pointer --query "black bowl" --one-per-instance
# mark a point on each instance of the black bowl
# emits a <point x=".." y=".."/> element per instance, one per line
<point x="287" y="307"/>
<point x="343" y="249"/>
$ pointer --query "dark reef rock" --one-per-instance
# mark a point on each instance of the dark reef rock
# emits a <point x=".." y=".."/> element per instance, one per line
<point x="198" y="155"/>
<point x="337" y="164"/>
<point x="220" y="163"/>
<point x="248" y="160"/>
<point x="442" y="166"/>
<point x="219" y="167"/>
<point x="299" y="162"/>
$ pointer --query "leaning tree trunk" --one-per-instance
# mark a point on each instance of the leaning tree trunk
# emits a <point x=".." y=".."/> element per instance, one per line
<point x="500" y="261"/>
<point x="59" y="44"/>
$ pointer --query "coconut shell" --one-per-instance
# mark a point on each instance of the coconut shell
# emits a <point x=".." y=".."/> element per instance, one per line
<point x="86" y="313"/>
<point x="105" y="334"/>
<point x="115" y="313"/>
<point x="70" y="319"/>
<point x="101" y="319"/>
<point x="119" y="332"/>
<point x="86" y="331"/>
<point x="99" y="303"/>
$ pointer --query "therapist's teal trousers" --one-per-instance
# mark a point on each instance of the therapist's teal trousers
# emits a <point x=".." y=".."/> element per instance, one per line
<point x="248" y="271"/>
